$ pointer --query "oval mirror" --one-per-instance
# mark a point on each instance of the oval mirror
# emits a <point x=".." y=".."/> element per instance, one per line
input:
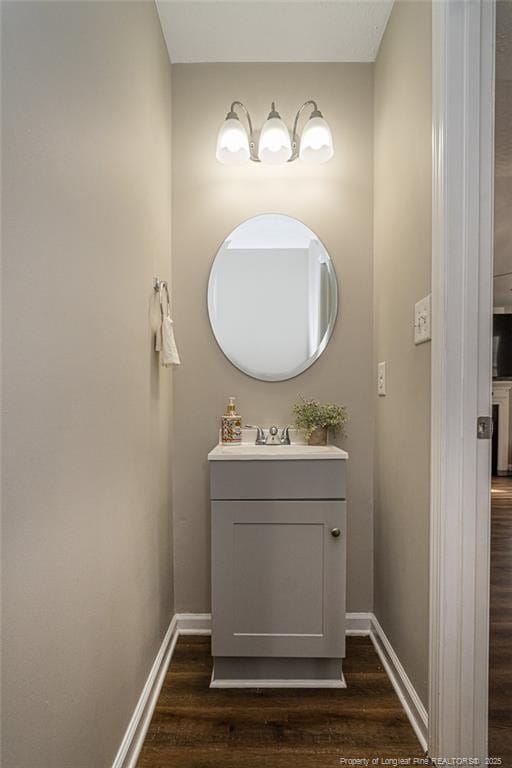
<point x="272" y="297"/>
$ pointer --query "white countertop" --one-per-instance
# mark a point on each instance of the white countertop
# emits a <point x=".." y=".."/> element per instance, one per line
<point x="252" y="452"/>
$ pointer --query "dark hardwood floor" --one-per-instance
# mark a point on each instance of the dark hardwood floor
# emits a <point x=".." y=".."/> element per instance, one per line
<point x="500" y="669"/>
<point x="194" y="726"/>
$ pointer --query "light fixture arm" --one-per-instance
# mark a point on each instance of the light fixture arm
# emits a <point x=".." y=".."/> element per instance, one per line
<point x="315" y="113"/>
<point x="232" y="114"/>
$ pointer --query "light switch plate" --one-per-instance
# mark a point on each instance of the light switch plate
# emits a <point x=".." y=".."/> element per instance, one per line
<point x="422" y="325"/>
<point x="381" y="379"/>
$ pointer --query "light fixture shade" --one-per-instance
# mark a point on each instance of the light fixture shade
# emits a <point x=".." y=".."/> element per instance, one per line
<point x="316" y="144"/>
<point x="232" y="143"/>
<point x="275" y="146"/>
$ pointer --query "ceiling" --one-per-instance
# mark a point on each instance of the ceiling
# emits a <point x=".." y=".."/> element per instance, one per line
<point x="273" y="30"/>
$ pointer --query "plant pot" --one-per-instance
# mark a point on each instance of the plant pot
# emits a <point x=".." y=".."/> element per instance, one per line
<point x="318" y="436"/>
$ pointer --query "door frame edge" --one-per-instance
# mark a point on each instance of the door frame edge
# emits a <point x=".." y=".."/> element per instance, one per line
<point x="463" y="48"/>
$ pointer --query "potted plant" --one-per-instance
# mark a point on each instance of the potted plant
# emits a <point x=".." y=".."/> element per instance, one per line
<point x="316" y="419"/>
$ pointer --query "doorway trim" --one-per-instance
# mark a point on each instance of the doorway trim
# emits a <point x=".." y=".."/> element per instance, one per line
<point x="463" y="45"/>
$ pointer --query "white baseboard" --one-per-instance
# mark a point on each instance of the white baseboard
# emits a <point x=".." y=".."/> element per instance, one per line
<point x="358" y="623"/>
<point x="365" y="624"/>
<point x="201" y="623"/>
<point x="405" y="690"/>
<point x="194" y="623"/>
<point x="133" y="739"/>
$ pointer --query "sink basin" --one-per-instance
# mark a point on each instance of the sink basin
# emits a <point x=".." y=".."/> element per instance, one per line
<point x="252" y="452"/>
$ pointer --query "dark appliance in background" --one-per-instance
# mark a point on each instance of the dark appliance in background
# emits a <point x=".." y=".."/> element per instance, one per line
<point x="502" y="346"/>
<point x="494" y="460"/>
<point x="501" y="369"/>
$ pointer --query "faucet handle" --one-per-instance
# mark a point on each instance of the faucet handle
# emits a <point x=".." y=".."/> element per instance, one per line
<point x="260" y="433"/>
<point x="272" y="438"/>
<point x="285" y="435"/>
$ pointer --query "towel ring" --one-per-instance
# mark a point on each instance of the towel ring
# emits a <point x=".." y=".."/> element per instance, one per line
<point x="160" y="286"/>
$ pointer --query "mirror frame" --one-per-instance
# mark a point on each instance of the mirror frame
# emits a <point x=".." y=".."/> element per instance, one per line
<point x="330" y="327"/>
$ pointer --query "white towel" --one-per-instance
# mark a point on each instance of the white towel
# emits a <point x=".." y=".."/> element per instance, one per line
<point x="166" y="344"/>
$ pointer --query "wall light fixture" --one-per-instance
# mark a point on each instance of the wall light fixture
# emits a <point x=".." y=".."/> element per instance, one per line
<point x="237" y="144"/>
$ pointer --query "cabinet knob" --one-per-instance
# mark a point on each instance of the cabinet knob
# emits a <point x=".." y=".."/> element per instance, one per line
<point x="335" y="532"/>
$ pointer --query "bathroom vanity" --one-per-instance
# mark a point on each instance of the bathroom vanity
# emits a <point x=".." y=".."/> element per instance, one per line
<point x="278" y="516"/>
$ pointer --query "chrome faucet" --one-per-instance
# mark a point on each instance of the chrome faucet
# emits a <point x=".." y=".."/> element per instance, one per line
<point x="272" y="437"/>
<point x="285" y="436"/>
<point x="261" y="438"/>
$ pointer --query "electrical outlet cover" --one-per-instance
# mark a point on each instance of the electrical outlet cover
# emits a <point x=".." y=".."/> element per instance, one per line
<point x="422" y="324"/>
<point x="381" y="379"/>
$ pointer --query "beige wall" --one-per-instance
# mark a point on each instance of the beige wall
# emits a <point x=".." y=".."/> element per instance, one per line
<point x="209" y="200"/>
<point x="402" y="263"/>
<point x="86" y="418"/>
<point x="503" y="134"/>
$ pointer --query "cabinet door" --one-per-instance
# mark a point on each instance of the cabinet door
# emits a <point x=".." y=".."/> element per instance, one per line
<point x="278" y="578"/>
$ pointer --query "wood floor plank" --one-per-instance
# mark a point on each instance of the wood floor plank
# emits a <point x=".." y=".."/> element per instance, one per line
<point x="194" y="726"/>
<point x="500" y="650"/>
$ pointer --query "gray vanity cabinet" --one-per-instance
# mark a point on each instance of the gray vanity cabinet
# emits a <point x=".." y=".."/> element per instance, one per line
<point x="278" y="578"/>
<point x="278" y="568"/>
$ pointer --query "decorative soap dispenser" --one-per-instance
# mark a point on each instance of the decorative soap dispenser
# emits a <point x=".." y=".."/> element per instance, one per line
<point x="231" y="424"/>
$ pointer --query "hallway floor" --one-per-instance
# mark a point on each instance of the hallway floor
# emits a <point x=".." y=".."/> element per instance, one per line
<point x="500" y="672"/>
<point x="194" y="726"/>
